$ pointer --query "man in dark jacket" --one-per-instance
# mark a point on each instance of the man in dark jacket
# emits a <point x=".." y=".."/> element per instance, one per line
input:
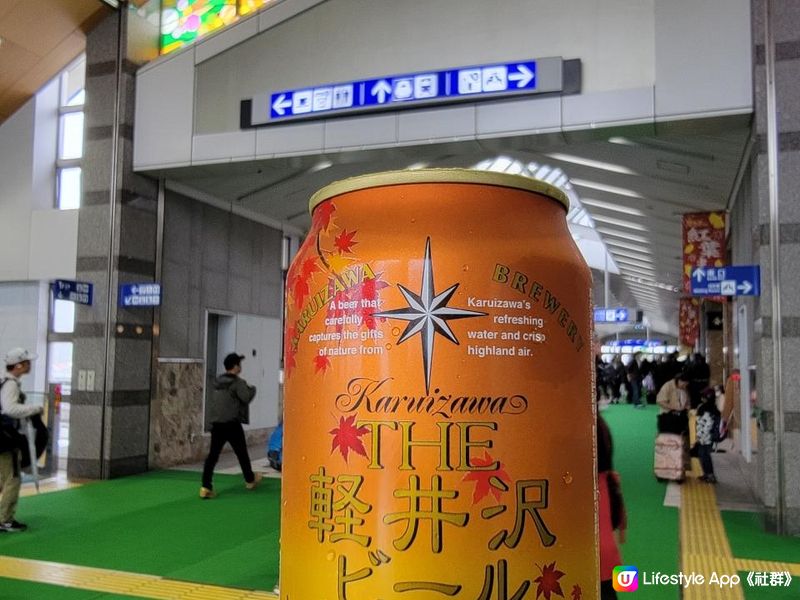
<point x="228" y="408"/>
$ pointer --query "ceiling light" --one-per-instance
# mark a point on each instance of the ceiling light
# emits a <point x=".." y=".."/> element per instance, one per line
<point x="321" y="166"/>
<point x="650" y="282"/>
<point x="636" y="248"/>
<point x="636" y="262"/>
<point x="621" y="140"/>
<point x="623" y="234"/>
<point x="417" y="165"/>
<point x="602" y="187"/>
<point x="635" y="271"/>
<point x="588" y="162"/>
<point x="619" y="222"/>
<point x="609" y="206"/>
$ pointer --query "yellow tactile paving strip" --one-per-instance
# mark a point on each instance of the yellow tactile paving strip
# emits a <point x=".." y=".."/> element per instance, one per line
<point x="120" y="582"/>
<point x="704" y="544"/>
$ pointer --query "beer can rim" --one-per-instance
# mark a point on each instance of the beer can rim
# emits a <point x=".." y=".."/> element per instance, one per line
<point x="468" y="176"/>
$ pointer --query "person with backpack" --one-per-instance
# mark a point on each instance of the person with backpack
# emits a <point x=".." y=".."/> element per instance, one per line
<point x="12" y="409"/>
<point x="707" y="429"/>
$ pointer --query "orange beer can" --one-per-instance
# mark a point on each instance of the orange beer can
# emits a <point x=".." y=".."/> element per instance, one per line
<point x="439" y="413"/>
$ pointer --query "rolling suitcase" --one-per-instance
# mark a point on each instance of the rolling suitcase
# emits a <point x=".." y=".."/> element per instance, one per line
<point x="669" y="461"/>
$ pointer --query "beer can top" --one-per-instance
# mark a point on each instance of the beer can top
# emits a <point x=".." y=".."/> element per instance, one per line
<point x="468" y="176"/>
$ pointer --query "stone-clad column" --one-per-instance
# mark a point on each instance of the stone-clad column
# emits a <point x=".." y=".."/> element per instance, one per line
<point x="117" y="244"/>
<point x="779" y="455"/>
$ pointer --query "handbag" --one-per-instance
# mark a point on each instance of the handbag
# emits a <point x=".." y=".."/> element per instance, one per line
<point x="11" y="439"/>
<point x="673" y="422"/>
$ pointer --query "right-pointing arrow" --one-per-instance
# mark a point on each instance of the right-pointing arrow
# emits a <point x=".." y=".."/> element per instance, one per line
<point x="522" y="76"/>
<point x="745" y="287"/>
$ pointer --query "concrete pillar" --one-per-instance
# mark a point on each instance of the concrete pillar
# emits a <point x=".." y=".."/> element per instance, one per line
<point x="117" y="244"/>
<point x="779" y="443"/>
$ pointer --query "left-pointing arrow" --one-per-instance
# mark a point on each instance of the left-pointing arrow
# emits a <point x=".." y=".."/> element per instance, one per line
<point x="281" y="103"/>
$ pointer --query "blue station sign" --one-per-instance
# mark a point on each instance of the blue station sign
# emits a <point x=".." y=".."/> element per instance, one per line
<point x="738" y="280"/>
<point x="408" y="89"/>
<point x="612" y="315"/>
<point x="73" y="291"/>
<point x="139" y="295"/>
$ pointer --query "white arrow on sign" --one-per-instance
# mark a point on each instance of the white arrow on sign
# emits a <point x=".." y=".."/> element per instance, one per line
<point x="381" y="90"/>
<point x="745" y="287"/>
<point x="699" y="274"/>
<point x="523" y="77"/>
<point x="281" y="103"/>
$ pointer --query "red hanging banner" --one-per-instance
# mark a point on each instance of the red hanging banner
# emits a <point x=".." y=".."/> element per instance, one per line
<point x="703" y="243"/>
<point x="689" y="321"/>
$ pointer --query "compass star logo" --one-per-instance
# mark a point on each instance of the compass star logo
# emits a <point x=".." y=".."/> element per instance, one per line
<point x="427" y="314"/>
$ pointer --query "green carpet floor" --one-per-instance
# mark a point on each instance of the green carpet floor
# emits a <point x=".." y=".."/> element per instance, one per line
<point x="155" y="524"/>
<point x="749" y="540"/>
<point x="652" y="540"/>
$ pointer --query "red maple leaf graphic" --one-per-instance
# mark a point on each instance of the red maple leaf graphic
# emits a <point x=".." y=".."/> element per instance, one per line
<point x="483" y="481"/>
<point x="309" y="267"/>
<point x="321" y="363"/>
<point x="289" y="361"/>
<point x="344" y="242"/>
<point x="289" y="349"/>
<point x="300" y="290"/>
<point x="347" y="436"/>
<point x="548" y="582"/>
<point x="370" y="287"/>
<point x="300" y="282"/>
<point x="577" y="594"/>
<point x="323" y="215"/>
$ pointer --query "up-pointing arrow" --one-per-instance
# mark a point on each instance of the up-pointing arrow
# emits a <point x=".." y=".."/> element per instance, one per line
<point x="745" y="287"/>
<point x="281" y="103"/>
<point x="381" y="90"/>
<point x="523" y="76"/>
<point x="699" y="274"/>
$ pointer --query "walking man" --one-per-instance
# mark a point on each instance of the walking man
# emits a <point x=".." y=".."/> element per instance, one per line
<point x="13" y="408"/>
<point x="229" y="407"/>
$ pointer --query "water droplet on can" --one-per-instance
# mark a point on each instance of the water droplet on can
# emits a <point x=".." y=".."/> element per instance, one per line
<point x="567" y="478"/>
<point x="330" y="556"/>
<point x="395" y="331"/>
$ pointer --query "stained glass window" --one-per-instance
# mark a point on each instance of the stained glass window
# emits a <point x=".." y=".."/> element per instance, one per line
<point x="184" y="21"/>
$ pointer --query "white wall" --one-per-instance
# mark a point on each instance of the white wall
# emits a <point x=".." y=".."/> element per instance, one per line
<point x="644" y="61"/>
<point x="23" y="323"/>
<point x="39" y="242"/>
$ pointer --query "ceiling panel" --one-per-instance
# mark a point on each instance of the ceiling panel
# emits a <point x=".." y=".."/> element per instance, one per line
<point x="38" y="38"/>
<point x="687" y="167"/>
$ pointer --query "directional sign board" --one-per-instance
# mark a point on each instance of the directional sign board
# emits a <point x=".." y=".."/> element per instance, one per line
<point x="410" y="89"/>
<point x="138" y="295"/>
<point x="612" y="315"/>
<point x="73" y="291"/>
<point x="740" y="280"/>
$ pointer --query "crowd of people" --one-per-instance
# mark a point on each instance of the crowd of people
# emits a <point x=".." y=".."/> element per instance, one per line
<point x="639" y="381"/>
<point x="676" y="387"/>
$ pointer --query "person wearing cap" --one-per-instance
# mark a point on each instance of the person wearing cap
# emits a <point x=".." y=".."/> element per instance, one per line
<point x="228" y="408"/>
<point x="13" y="408"/>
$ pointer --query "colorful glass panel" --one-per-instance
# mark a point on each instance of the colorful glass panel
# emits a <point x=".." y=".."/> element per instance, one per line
<point x="184" y="21"/>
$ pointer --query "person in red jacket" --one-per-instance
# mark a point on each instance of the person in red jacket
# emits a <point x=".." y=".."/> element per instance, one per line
<point x="612" y="517"/>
